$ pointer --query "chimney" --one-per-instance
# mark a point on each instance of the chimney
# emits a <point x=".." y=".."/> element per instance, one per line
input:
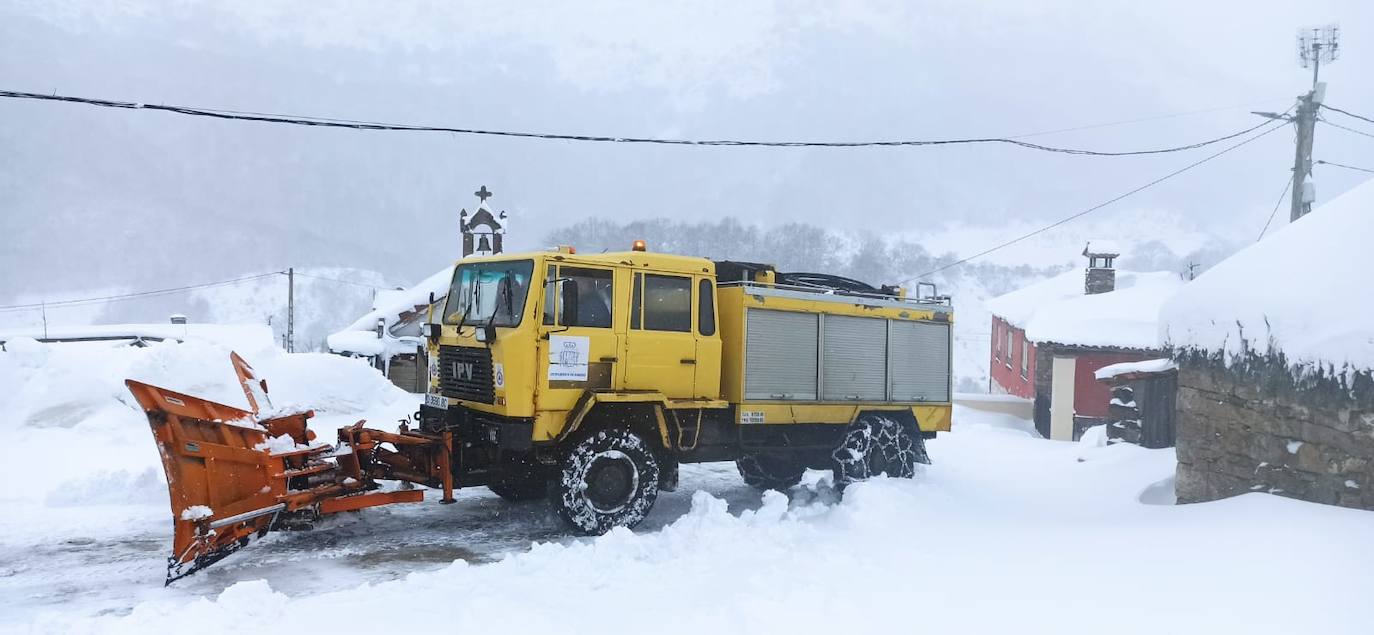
<point x="1100" y="276"/>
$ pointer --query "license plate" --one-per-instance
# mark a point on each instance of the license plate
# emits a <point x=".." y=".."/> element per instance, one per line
<point x="436" y="401"/>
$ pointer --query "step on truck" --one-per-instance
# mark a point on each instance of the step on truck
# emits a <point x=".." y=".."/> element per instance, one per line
<point x="587" y="380"/>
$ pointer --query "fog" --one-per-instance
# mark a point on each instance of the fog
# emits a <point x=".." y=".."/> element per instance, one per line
<point x="103" y="198"/>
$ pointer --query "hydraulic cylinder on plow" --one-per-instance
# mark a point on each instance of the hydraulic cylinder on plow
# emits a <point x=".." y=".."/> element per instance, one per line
<point x="234" y="475"/>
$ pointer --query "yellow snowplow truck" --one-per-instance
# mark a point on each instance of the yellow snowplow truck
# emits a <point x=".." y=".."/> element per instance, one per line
<point x="589" y="379"/>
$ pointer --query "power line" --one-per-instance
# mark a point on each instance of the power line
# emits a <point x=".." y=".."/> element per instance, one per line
<point x="1276" y="208"/>
<point x="1098" y="206"/>
<point x="1348" y="167"/>
<point x="1123" y="122"/>
<point x="138" y="294"/>
<point x="1358" y="132"/>
<point x="371" y="125"/>
<point x="1347" y="113"/>
<point x="340" y="281"/>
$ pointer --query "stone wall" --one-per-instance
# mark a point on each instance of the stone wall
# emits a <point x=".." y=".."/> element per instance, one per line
<point x="1261" y="426"/>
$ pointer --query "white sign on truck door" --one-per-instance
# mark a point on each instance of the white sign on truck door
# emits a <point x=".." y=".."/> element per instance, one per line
<point x="568" y="357"/>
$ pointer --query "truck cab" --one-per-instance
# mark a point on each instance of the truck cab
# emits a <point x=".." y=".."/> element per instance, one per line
<point x="522" y="339"/>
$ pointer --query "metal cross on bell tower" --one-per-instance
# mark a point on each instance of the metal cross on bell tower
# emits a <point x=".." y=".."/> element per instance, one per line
<point x="483" y="194"/>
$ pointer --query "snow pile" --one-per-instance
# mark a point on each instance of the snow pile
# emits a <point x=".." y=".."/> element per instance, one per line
<point x="1146" y="366"/>
<point x="1301" y="291"/>
<point x="197" y="512"/>
<point x="280" y="444"/>
<point x="327" y="384"/>
<point x="1057" y="310"/>
<point x="1102" y="246"/>
<point x="84" y="439"/>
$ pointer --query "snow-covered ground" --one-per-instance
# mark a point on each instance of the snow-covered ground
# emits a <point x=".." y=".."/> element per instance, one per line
<point x="1005" y="532"/>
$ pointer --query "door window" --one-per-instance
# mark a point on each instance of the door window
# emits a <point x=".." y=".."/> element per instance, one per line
<point x="583" y="297"/>
<point x="667" y="303"/>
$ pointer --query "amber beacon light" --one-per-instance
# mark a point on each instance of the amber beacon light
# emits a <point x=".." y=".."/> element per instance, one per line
<point x="640" y="246"/>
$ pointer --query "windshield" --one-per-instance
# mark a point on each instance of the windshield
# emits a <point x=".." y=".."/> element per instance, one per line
<point x="489" y="293"/>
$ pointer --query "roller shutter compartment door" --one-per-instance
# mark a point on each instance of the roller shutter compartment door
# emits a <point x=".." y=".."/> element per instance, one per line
<point x="854" y="360"/>
<point x="780" y="355"/>
<point x="920" y="361"/>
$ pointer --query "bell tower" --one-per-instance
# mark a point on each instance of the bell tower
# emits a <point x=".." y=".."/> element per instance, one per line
<point x="482" y="230"/>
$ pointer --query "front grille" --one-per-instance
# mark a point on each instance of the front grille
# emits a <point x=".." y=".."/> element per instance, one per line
<point x="465" y="373"/>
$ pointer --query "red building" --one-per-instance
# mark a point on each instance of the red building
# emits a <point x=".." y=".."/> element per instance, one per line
<point x="1049" y="338"/>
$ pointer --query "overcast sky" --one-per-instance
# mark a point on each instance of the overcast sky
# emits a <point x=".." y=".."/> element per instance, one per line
<point x="94" y="197"/>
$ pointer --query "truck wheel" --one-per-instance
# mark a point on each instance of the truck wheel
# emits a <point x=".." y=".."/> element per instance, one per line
<point x="520" y="479"/>
<point x="875" y="444"/>
<point x="770" y="471"/>
<point x="608" y="479"/>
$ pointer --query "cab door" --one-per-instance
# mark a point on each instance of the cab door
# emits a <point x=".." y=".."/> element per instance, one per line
<point x="660" y="347"/>
<point x="580" y="342"/>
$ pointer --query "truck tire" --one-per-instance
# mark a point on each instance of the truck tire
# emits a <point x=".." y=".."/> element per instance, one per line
<point x="770" y="471"/>
<point x="877" y="444"/>
<point x="608" y="479"/>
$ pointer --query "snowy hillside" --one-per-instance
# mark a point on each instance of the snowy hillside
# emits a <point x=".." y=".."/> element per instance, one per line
<point x="327" y="299"/>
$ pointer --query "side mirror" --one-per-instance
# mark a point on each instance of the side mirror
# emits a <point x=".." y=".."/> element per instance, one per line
<point x="431" y="330"/>
<point x="568" y="295"/>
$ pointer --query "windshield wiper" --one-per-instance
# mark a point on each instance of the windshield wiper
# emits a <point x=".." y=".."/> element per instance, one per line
<point x="502" y="286"/>
<point x="467" y="310"/>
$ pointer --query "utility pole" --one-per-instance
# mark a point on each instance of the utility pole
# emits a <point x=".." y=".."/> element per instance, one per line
<point x="291" y="309"/>
<point x="1314" y="45"/>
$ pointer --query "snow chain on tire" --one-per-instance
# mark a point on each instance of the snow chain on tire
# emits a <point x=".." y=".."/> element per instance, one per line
<point x="875" y="444"/>
<point x="608" y="479"/>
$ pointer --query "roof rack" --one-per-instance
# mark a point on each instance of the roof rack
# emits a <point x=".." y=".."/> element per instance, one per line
<point x="933" y="302"/>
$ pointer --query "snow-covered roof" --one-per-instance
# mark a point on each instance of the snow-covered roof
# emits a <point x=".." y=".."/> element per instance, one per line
<point x="1301" y="288"/>
<point x="1102" y="246"/>
<point x="1125" y="368"/>
<point x="1057" y="310"/>
<point x="246" y="338"/>
<point x="389" y="305"/>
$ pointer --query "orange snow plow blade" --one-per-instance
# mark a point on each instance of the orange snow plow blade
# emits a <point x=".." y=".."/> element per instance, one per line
<point x="233" y="476"/>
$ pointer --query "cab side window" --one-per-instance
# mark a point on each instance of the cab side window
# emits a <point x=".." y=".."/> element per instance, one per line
<point x="667" y="303"/>
<point x="706" y="308"/>
<point x="583" y="297"/>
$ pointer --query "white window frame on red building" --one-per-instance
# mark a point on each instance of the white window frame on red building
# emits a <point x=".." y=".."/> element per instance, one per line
<point x="1011" y="350"/>
<point x="996" y="341"/>
<point x="1025" y="358"/>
